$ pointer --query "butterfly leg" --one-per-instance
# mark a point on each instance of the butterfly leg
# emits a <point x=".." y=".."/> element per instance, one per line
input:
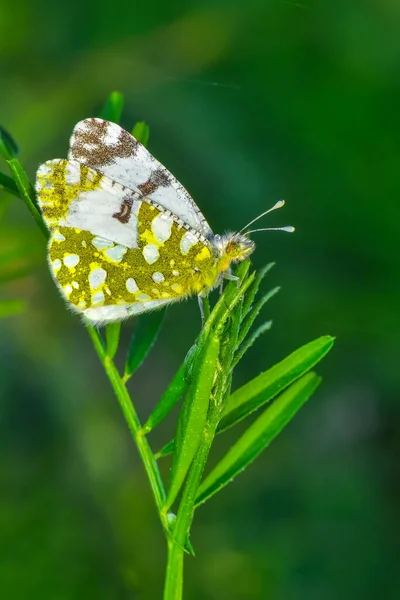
<point x="230" y="277"/>
<point x="201" y="307"/>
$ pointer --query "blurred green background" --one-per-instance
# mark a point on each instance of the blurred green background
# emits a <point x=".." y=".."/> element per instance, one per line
<point x="247" y="102"/>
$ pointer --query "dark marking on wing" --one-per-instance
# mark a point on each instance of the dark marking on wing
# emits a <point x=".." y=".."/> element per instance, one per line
<point x="100" y="152"/>
<point x="125" y="210"/>
<point x="158" y="178"/>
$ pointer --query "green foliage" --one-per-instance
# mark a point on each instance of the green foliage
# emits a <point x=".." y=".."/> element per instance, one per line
<point x="168" y="400"/>
<point x="27" y="192"/>
<point x="203" y="380"/>
<point x="8" y="146"/>
<point x="112" y="109"/>
<point x="113" y="331"/>
<point x="265" y="386"/>
<point x="141" y="132"/>
<point x="193" y="415"/>
<point x="258" y="435"/>
<point x="146" y="332"/>
<point x="7" y="185"/>
<point x="11" y="307"/>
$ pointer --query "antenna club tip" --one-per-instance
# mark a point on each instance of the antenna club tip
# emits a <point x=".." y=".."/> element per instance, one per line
<point x="289" y="228"/>
<point x="279" y="204"/>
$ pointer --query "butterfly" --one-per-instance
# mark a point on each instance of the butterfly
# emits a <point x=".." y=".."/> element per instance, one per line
<point x="125" y="236"/>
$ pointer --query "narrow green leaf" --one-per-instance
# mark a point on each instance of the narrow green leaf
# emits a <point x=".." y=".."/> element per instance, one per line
<point x="236" y="315"/>
<point x="7" y="185"/>
<point x="168" y="400"/>
<point x="232" y="287"/>
<point x="112" y="338"/>
<point x="8" y="146"/>
<point x="267" y="385"/>
<point x="206" y="308"/>
<point x="11" y="307"/>
<point x="254" y="312"/>
<point x="274" y="380"/>
<point x="251" y="294"/>
<point x="112" y="109"/>
<point x="250" y="341"/>
<point x="192" y="417"/>
<point x="258" y="435"/>
<point x="27" y="192"/>
<point x="165" y="450"/>
<point x="232" y="295"/>
<point x="147" y="329"/>
<point x="222" y="311"/>
<point x="141" y="132"/>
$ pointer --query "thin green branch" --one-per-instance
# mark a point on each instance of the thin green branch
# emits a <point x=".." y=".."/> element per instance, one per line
<point x="174" y="573"/>
<point x="27" y="192"/>
<point x="133" y="422"/>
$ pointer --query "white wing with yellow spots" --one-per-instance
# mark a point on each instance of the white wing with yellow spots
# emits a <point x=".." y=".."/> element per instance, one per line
<point x="112" y="260"/>
<point x="125" y="236"/>
<point x="72" y="195"/>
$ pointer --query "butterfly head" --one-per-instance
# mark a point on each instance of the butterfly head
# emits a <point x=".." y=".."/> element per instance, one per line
<point x="232" y="248"/>
<point x="235" y="247"/>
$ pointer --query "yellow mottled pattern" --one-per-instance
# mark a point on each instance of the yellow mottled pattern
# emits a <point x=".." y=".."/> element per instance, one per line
<point x="55" y="193"/>
<point x="195" y="272"/>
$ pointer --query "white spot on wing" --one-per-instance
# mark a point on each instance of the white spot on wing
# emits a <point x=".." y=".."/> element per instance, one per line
<point x="115" y="253"/>
<point x="89" y="147"/>
<point x="58" y="236"/>
<point x="158" y="277"/>
<point x="112" y="135"/>
<point x="131" y="285"/>
<point x="93" y="211"/>
<point x="98" y="298"/>
<point x="161" y="226"/>
<point x="97" y="277"/>
<point x="150" y="253"/>
<point x="71" y="260"/>
<point x="140" y="307"/>
<point x="106" y="314"/>
<point x="100" y="243"/>
<point x="72" y="173"/>
<point x="56" y="264"/>
<point x="188" y="240"/>
<point x="67" y="289"/>
<point x="143" y="297"/>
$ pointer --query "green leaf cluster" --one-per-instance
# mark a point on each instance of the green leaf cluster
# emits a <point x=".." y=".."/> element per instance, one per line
<point x="203" y="381"/>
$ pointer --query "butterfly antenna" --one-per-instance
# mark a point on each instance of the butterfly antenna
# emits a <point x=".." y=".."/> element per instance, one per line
<point x="279" y="204"/>
<point x="287" y="228"/>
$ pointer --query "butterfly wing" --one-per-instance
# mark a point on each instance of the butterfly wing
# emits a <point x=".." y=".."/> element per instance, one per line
<point x="112" y="258"/>
<point x="73" y="195"/>
<point x="109" y="149"/>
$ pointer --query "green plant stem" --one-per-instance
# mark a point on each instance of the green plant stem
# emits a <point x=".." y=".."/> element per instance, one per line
<point x="174" y="574"/>
<point x="27" y="193"/>
<point x="134" y="424"/>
